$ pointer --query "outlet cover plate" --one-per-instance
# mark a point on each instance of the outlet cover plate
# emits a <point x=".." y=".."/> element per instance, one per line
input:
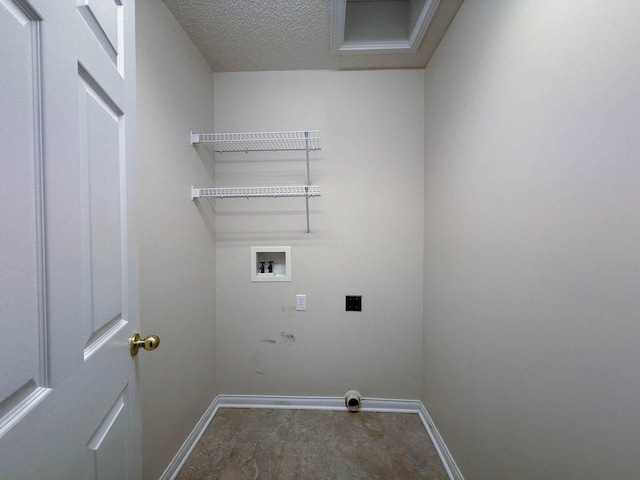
<point x="353" y="303"/>
<point x="301" y="303"/>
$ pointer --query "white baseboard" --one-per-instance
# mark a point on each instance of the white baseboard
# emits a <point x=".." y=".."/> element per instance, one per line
<point x="174" y="467"/>
<point x="311" y="403"/>
<point x="316" y="403"/>
<point x="443" y="452"/>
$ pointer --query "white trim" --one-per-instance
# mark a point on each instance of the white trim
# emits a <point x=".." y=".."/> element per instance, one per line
<point x="401" y="46"/>
<point x="410" y="45"/>
<point x="423" y="22"/>
<point x="281" y="402"/>
<point x="174" y="467"/>
<point x="382" y="405"/>
<point x="317" y="403"/>
<point x="338" y="14"/>
<point x="443" y="452"/>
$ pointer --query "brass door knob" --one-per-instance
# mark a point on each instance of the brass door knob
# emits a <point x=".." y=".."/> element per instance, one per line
<point x="149" y="343"/>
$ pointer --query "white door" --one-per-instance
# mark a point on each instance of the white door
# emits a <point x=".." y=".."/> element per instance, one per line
<point x="68" y="269"/>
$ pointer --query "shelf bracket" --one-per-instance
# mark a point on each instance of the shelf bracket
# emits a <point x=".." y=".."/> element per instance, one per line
<point x="306" y="198"/>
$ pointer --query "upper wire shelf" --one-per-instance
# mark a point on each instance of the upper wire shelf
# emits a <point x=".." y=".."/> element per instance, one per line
<point x="259" y="141"/>
<point x="280" y="191"/>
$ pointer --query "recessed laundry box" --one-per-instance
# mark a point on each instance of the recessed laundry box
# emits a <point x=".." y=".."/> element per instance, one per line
<point x="270" y="264"/>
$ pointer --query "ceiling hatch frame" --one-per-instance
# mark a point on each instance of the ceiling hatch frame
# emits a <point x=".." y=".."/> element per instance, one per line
<point x="408" y="44"/>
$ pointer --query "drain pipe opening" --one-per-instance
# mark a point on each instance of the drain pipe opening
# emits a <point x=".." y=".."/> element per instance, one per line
<point x="352" y="400"/>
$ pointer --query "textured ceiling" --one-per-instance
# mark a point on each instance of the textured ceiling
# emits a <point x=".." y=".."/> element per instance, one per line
<point x="250" y="35"/>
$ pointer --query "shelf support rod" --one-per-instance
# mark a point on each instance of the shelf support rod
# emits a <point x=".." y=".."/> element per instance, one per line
<point x="306" y="198"/>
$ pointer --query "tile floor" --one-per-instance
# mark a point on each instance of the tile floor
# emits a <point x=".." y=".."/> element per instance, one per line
<point x="311" y="445"/>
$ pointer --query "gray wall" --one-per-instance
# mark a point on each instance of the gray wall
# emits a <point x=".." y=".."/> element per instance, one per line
<point x="366" y="235"/>
<point x="177" y="248"/>
<point x="532" y="239"/>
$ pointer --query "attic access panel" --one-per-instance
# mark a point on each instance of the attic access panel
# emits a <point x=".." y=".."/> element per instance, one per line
<point x="373" y="26"/>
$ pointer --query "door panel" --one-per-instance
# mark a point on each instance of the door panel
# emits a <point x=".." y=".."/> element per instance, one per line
<point x="104" y="21"/>
<point x="21" y="267"/>
<point x="68" y="269"/>
<point x="99" y="132"/>
<point x="108" y="445"/>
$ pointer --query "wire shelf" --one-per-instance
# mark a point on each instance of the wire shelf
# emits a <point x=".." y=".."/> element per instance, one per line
<point x="259" y="141"/>
<point x="280" y="191"/>
<point x="306" y="140"/>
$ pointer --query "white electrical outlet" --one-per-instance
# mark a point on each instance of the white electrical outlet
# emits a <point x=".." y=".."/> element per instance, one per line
<point x="301" y="303"/>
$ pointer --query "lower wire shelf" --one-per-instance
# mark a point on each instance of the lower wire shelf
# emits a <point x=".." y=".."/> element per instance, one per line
<point x="280" y="191"/>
